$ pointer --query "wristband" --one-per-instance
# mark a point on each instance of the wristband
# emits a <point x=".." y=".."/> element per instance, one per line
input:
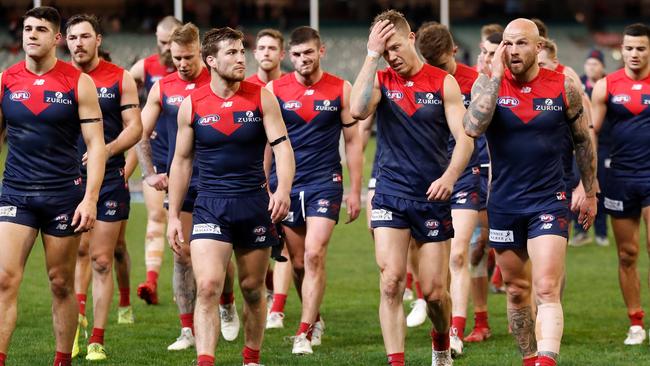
<point x="373" y="54"/>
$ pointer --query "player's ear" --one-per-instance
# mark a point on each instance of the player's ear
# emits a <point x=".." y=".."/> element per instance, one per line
<point x="322" y="50"/>
<point x="99" y="40"/>
<point x="57" y="37"/>
<point x="211" y="61"/>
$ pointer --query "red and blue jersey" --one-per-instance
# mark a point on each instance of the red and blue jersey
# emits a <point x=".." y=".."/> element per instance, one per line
<point x="41" y="116"/>
<point x="312" y="115"/>
<point x="465" y="76"/>
<point x="526" y="139"/>
<point x="108" y="80"/>
<point x="412" y="132"/>
<point x="628" y="113"/>
<point x="229" y="141"/>
<point x="173" y="90"/>
<point x="154" y="71"/>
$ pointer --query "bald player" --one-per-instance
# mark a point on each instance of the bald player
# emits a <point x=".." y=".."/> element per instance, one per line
<point x="622" y="98"/>
<point x="146" y="72"/>
<point x="417" y="107"/>
<point x="523" y="110"/>
<point x="436" y="45"/>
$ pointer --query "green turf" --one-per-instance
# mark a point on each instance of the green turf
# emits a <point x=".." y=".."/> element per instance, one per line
<point x="595" y="317"/>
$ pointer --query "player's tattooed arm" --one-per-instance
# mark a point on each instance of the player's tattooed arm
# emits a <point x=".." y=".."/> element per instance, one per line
<point x="584" y="150"/>
<point x="149" y="117"/>
<point x="365" y="92"/>
<point x="523" y="328"/>
<point x="484" y="100"/>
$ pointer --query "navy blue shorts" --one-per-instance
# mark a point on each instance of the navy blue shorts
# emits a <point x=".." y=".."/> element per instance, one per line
<point x="114" y="202"/>
<point x="245" y="221"/>
<point x="624" y="197"/>
<point x="428" y="221"/>
<point x="512" y="230"/>
<point x="313" y="202"/>
<point x="466" y="191"/>
<point x="484" y="184"/>
<point x="188" y="201"/>
<point x="50" y="214"/>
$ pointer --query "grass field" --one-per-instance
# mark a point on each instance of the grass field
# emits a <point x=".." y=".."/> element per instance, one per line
<point x="595" y="317"/>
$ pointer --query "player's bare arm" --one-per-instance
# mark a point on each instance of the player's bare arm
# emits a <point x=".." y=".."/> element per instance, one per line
<point x="584" y="152"/>
<point x="276" y="134"/>
<point x="180" y="173"/>
<point x="484" y="96"/>
<point x="131" y="161"/>
<point x="353" y="155"/>
<point x="365" y="92"/>
<point x="150" y="114"/>
<point x="93" y="134"/>
<point x="365" y="130"/>
<point x="599" y="104"/>
<point x="442" y="188"/>
<point x="137" y="71"/>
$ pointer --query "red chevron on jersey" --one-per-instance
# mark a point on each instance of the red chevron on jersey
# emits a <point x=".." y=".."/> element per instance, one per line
<point x="309" y="101"/>
<point x="227" y="115"/>
<point x="154" y="70"/>
<point x="38" y="92"/>
<point x="633" y="95"/>
<point x="107" y="75"/>
<point x="422" y="89"/>
<point x="173" y="89"/>
<point x="529" y="100"/>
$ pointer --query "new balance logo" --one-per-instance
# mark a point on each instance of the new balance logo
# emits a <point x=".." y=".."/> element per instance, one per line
<point x="39" y="82"/>
<point x="309" y="92"/>
<point x="190" y="86"/>
<point x="226" y="104"/>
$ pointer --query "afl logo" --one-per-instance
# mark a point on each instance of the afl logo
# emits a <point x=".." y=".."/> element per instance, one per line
<point x="209" y="119"/>
<point x="546" y="217"/>
<point x="291" y="105"/>
<point x="508" y="102"/>
<point x="260" y="230"/>
<point x="432" y="224"/>
<point x="621" y="99"/>
<point x="394" y="94"/>
<point x="111" y="204"/>
<point x="175" y="100"/>
<point x="19" y="96"/>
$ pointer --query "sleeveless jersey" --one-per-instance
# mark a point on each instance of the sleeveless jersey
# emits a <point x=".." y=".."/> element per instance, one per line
<point x="108" y="80"/>
<point x="528" y="122"/>
<point x="312" y="115"/>
<point x="173" y="91"/>
<point x="628" y="113"/>
<point x="229" y="141"/>
<point x="154" y="71"/>
<point x="412" y="132"/>
<point x="41" y="115"/>
<point x="465" y="76"/>
<point x="255" y="80"/>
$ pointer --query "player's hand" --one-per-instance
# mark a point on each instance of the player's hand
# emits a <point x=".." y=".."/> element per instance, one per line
<point x="353" y="204"/>
<point x="84" y="216"/>
<point x="379" y="34"/>
<point x="157" y="181"/>
<point x="440" y="189"/>
<point x="279" y="206"/>
<point x="498" y="66"/>
<point x="577" y="198"/>
<point x="175" y="234"/>
<point x="588" y="211"/>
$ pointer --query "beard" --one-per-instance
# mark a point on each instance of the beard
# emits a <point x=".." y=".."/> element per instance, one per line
<point x="166" y="59"/>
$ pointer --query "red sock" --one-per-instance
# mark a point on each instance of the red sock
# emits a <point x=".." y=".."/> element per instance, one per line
<point x="530" y="361"/>
<point x="636" y="318"/>
<point x="304" y="328"/>
<point x="409" y="279"/>
<point x="458" y="323"/>
<point x="227" y="298"/>
<point x="81" y="299"/>
<point x="278" y="303"/>
<point x="418" y="290"/>
<point x="97" y="336"/>
<point x="205" y="360"/>
<point x="545" y="361"/>
<point x="152" y="277"/>
<point x="125" y="296"/>
<point x="396" y="359"/>
<point x="187" y="321"/>
<point x="440" y="341"/>
<point x="268" y="280"/>
<point x="60" y="359"/>
<point x="481" y="319"/>
<point x="3" y="358"/>
<point x="251" y="355"/>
